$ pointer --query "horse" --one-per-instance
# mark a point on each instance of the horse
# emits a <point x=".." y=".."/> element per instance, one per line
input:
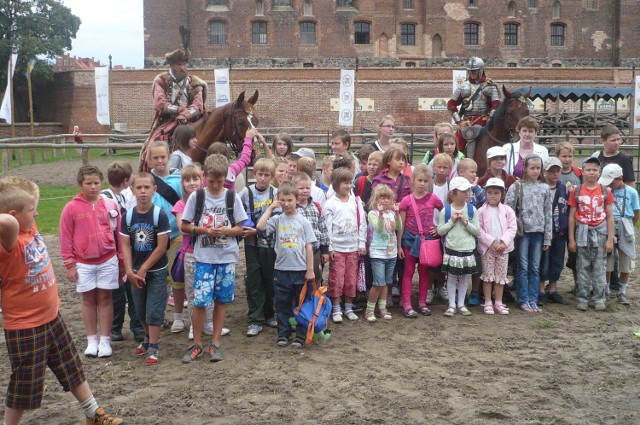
<point x="500" y="129"/>
<point x="226" y="124"/>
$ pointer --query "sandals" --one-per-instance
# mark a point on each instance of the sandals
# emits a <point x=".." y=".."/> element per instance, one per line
<point x="488" y="308"/>
<point x="501" y="308"/>
<point x="526" y="307"/>
<point x="424" y="310"/>
<point x="450" y="312"/>
<point x="369" y="316"/>
<point x="410" y="313"/>
<point x="384" y="314"/>
<point x="535" y="308"/>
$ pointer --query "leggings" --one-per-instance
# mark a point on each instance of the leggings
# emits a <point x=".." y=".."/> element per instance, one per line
<point x="459" y="282"/>
<point x="423" y="280"/>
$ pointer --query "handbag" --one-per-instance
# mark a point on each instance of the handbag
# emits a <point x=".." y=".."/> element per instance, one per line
<point x="518" y="204"/>
<point x="430" y="247"/>
<point x="361" y="277"/>
<point x="177" y="268"/>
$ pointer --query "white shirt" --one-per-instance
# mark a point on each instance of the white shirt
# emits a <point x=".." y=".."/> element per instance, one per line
<point x="342" y="224"/>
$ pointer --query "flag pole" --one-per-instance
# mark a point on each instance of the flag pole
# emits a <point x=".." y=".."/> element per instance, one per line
<point x="31" y="125"/>
<point x="13" y="115"/>
<point x="355" y="97"/>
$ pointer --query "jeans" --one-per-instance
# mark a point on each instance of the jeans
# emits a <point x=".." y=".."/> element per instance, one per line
<point x="151" y="299"/>
<point x="552" y="261"/>
<point x="382" y="270"/>
<point x="259" y="282"/>
<point x="288" y="285"/>
<point x="528" y="273"/>
<point x="122" y="297"/>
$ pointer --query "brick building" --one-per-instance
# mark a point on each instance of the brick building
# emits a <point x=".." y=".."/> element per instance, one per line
<point x="332" y="33"/>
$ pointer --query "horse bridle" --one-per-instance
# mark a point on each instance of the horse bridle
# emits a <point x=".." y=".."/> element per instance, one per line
<point x="520" y="100"/>
<point x="234" y="135"/>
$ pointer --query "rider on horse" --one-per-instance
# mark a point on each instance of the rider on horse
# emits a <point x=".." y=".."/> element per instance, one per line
<point x="478" y="97"/>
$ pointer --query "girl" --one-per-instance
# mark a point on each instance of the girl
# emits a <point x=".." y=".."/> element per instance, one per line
<point x="236" y="167"/>
<point x="447" y="144"/>
<point x="282" y="171"/>
<point x="347" y="229"/>
<point x="282" y="146"/>
<point x="184" y="138"/>
<point x="89" y="251"/>
<point x="399" y="142"/>
<point x="438" y="129"/>
<point x="386" y="130"/>
<point x="459" y="221"/>
<point x="393" y="161"/>
<point x="417" y="208"/>
<point x="387" y="227"/>
<point x="495" y="241"/>
<point x="534" y="209"/>
<point x="496" y="160"/>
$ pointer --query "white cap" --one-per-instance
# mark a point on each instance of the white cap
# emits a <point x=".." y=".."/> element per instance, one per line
<point x="459" y="183"/>
<point x="305" y="153"/>
<point x="495" y="182"/>
<point x="496" y="151"/>
<point x="552" y="162"/>
<point x="610" y="173"/>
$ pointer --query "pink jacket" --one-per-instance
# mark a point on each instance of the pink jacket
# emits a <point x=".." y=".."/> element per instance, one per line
<point x="239" y="165"/>
<point x="87" y="231"/>
<point x="507" y="222"/>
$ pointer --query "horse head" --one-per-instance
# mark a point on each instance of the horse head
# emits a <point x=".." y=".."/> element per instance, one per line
<point x="515" y="108"/>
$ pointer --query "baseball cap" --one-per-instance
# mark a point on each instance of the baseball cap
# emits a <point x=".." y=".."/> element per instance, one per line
<point x="592" y="159"/>
<point x="610" y="173"/>
<point x="305" y="153"/>
<point x="496" y="151"/>
<point x="459" y="183"/>
<point x="552" y="162"/>
<point x="495" y="182"/>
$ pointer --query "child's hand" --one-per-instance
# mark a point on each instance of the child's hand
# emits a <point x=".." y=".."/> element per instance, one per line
<point x="608" y="247"/>
<point x="362" y="251"/>
<point x="216" y="232"/>
<point x="572" y="246"/>
<point x="324" y="258"/>
<point x="380" y="207"/>
<point x="261" y="138"/>
<point x="72" y="274"/>
<point x="400" y="253"/>
<point x="433" y="232"/>
<point x="136" y="280"/>
<point x="275" y="204"/>
<point x="331" y="255"/>
<point x="396" y="207"/>
<point x="248" y="231"/>
<point x="252" y="132"/>
<point x="495" y="246"/>
<point x="310" y="276"/>
<point x="502" y="247"/>
<point x="545" y="247"/>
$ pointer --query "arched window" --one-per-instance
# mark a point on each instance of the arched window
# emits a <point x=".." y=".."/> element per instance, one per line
<point x="556" y="10"/>
<point x="259" y="7"/>
<point x="471" y="34"/>
<point x="511" y="9"/>
<point x="436" y="46"/>
<point x="558" y="34"/>
<point x="307" y="9"/>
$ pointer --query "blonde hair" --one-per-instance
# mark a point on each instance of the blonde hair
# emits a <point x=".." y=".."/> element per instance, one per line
<point x="562" y="146"/>
<point x="216" y="166"/>
<point x="443" y="159"/>
<point x="142" y="175"/>
<point x="427" y="171"/>
<point x="386" y="117"/>
<point x="380" y="191"/>
<point x="16" y="193"/>
<point x="301" y="177"/>
<point x="307" y="165"/>
<point x="190" y="171"/>
<point x="466" y="163"/>
<point x="265" y="165"/>
<point x="155" y="145"/>
<point x="327" y="160"/>
<point x="441" y="125"/>
<point x="377" y="155"/>
<point x="288" y="188"/>
<point x="401" y="143"/>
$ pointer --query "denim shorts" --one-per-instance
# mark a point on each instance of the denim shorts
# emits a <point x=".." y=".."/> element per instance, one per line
<point x="213" y="282"/>
<point x="151" y="299"/>
<point x="382" y="270"/>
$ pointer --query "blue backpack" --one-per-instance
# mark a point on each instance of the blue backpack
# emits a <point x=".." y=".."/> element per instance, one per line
<point x="313" y="311"/>
<point x="447" y="212"/>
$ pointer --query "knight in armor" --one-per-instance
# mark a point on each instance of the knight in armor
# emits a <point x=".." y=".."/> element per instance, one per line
<point x="477" y="97"/>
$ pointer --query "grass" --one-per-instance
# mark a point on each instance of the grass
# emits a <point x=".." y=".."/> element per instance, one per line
<point x="612" y="306"/>
<point x="70" y="153"/>
<point x="53" y="198"/>
<point x="545" y="324"/>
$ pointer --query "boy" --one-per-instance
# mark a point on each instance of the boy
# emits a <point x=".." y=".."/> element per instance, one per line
<point x="626" y="211"/>
<point x="308" y="166"/>
<point x="325" y="177"/>
<point x="552" y="261"/>
<point x="496" y="160"/>
<point x="118" y="175"/>
<point x="340" y="144"/>
<point x="35" y="333"/>
<point x="611" y="139"/>
<point x="591" y="231"/>
<point x="294" y="240"/>
<point x="363" y="158"/>
<point x="293" y="165"/>
<point x="259" y="254"/>
<point x="363" y="183"/>
<point x="144" y="237"/>
<point x="216" y="253"/>
<point x="310" y="209"/>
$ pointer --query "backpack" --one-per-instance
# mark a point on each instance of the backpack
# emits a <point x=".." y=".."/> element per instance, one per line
<point x="603" y="188"/>
<point x="252" y="210"/>
<point x="230" y="199"/>
<point x="447" y="212"/>
<point x="361" y="185"/>
<point x="156" y="217"/>
<point x="313" y="311"/>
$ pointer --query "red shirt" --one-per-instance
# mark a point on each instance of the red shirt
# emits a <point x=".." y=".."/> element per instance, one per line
<point x="592" y="209"/>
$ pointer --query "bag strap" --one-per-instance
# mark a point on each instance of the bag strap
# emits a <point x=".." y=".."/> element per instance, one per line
<point x="166" y="191"/>
<point x="470" y="210"/>
<point x="358" y="212"/>
<point x="360" y="185"/>
<point x="417" y="214"/>
<point x="318" y="293"/>
<point x="518" y="197"/>
<point x="251" y="205"/>
<point x="231" y="199"/>
<point x="447" y="213"/>
<point x="200" y="195"/>
<point x="400" y="187"/>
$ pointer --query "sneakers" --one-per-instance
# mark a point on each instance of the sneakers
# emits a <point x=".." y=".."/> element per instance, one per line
<point x="555" y="298"/>
<point x="103" y="418"/>
<point x="254" y="329"/>
<point x="152" y="357"/>
<point x="92" y="348"/>
<point x="351" y="315"/>
<point x="117" y="336"/>
<point x="190" y="333"/>
<point x="369" y="316"/>
<point x="297" y="343"/>
<point x="104" y="349"/>
<point x="177" y="326"/>
<point x="582" y="305"/>
<point x="192" y="354"/>
<point x="337" y="317"/>
<point x="282" y="341"/>
<point x="443" y="293"/>
<point x="208" y="328"/>
<point x="622" y="299"/>
<point x="215" y="353"/>
<point x="271" y="322"/>
<point x="430" y="296"/>
<point x="474" y="299"/>
<point x="225" y="331"/>
<point x="450" y="312"/>
<point x="600" y="306"/>
<point x="464" y="311"/>
<point x="142" y="348"/>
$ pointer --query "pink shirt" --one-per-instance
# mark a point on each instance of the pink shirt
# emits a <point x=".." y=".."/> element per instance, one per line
<point x="425" y="205"/>
<point x="239" y="165"/>
<point x="178" y="208"/>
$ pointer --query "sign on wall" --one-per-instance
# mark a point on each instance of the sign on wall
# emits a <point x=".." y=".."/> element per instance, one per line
<point x="222" y="86"/>
<point x="363" y="104"/>
<point x="102" y="95"/>
<point x="636" y="99"/>
<point x="347" y="97"/>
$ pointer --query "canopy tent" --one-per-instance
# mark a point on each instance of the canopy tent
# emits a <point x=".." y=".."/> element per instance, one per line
<point x="579" y="93"/>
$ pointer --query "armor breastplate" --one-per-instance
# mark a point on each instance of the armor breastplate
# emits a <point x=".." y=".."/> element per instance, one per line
<point x="179" y="91"/>
<point x="480" y="105"/>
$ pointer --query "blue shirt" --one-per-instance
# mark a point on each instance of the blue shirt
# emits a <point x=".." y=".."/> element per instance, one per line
<point x="627" y="199"/>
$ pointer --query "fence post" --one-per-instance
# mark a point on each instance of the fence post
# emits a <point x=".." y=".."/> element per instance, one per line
<point x="20" y="157"/>
<point x="5" y="161"/>
<point x="411" y="149"/>
<point x="85" y="156"/>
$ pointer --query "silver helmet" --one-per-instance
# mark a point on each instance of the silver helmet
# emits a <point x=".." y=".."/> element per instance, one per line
<point x="475" y="64"/>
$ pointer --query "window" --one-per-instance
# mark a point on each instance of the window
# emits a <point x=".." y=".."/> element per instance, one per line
<point x="512" y="65"/>
<point x="282" y="3"/>
<point x="510" y="34"/>
<point x="556" y="65"/>
<point x="407" y="4"/>
<point x="307" y="9"/>
<point x="345" y="3"/>
<point x="592" y="4"/>
<point x="407" y="34"/>
<point x="259" y="32"/>
<point x="471" y="30"/>
<point x="259" y="7"/>
<point x="218" y="32"/>
<point x="557" y="34"/>
<point x="362" y="32"/>
<point x="556" y="10"/>
<point x="511" y="9"/>
<point x="218" y="2"/>
<point x="307" y="32"/>
<point x="473" y="3"/>
<point x="533" y="3"/>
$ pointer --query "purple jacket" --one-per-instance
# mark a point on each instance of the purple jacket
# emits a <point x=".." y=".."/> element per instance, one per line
<point x="383" y="178"/>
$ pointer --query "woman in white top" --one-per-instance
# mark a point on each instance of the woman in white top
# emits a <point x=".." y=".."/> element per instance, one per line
<point x="386" y="130"/>
<point x="516" y="152"/>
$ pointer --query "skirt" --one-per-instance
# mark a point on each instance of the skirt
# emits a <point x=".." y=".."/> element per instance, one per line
<point x="458" y="263"/>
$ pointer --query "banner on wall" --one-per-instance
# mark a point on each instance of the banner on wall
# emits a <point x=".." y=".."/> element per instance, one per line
<point x="347" y="97"/>
<point x="5" y="108"/>
<point x="636" y="108"/>
<point x="102" y="95"/>
<point x="222" y="86"/>
<point x="459" y="76"/>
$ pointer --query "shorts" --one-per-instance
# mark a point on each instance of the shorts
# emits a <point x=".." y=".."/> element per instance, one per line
<point x="382" y="270"/>
<point x="494" y="267"/>
<point x="625" y="263"/>
<point x="98" y="276"/>
<point x="30" y="352"/>
<point x="213" y="282"/>
<point x="174" y="244"/>
<point x="151" y="299"/>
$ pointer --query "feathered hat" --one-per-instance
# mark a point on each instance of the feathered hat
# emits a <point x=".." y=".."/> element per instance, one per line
<point x="182" y="54"/>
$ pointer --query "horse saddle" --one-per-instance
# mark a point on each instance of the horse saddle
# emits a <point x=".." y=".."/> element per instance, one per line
<point x="472" y="132"/>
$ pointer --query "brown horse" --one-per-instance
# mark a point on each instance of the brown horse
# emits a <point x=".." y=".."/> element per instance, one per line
<point x="501" y="128"/>
<point x="227" y="124"/>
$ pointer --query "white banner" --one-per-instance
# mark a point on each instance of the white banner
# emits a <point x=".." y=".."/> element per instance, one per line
<point x="5" y="109"/>
<point x="347" y="98"/>
<point x="458" y="77"/>
<point x="636" y="108"/>
<point x="102" y="95"/>
<point x="223" y="87"/>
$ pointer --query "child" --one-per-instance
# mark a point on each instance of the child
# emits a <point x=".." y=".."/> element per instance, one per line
<point x="258" y="249"/>
<point x="308" y="166"/>
<point x="216" y="253"/>
<point x="347" y="230"/>
<point x="311" y="209"/>
<point x="282" y="145"/>
<point x="327" y="168"/>
<point x="416" y="214"/>
<point x="570" y="177"/>
<point x="293" y="165"/>
<point x="184" y="138"/>
<point x="25" y="265"/>
<point x="393" y="161"/>
<point x="495" y="241"/>
<point x="404" y="146"/>
<point x="496" y="160"/>
<point x="363" y="158"/>
<point x="294" y="259"/>
<point x="447" y="145"/>
<point x="88" y="225"/>
<point x="144" y="238"/>
<point x="552" y="261"/>
<point x="611" y="139"/>
<point x="531" y="200"/>
<point x="626" y="211"/>
<point x="341" y="161"/>
<point x="387" y="228"/>
<point x="340" y="144"/>
<point x="282" y="171"/>
<point x="364" y="182"/>
<point x="236" y="167"/>
<point x="118" y="176"/>
<point x="461" y="230"/>
<point x="591" y="232"/>
<point x="438" y="129"/>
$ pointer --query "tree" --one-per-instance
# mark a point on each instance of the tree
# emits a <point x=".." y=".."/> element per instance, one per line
<point x="33" y="28"/>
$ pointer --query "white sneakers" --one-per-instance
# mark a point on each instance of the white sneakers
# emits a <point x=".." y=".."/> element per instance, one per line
<point x="104" y="348"/>
<point x="92" y="347"/>
<point x="177" y="326"/>
<point x="95" y="349"/>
